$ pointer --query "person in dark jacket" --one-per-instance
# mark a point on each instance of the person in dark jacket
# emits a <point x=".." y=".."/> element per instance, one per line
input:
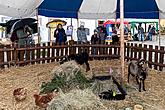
<point x="14" y="37"/>
<point x="60" y="35"/>
<point x="95" y="40"/>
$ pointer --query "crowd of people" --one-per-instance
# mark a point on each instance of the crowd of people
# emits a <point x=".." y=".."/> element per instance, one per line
<point x="142" y="36"/>
<point x="98" y="37"/>
<point x="24" y="36"/>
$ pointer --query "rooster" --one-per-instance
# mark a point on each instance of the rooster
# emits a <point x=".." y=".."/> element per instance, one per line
<point x="43" y="100"/>
<point x="20" y="94"/>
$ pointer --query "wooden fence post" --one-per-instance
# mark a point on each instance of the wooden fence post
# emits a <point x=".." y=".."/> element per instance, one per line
<point x="53" y="52"/>
<point x="57" y="53"/>
<point x="61" y="50"/>
<point x="140" y="51"/>
<point x="110" y="50"/>
<point x="8" y="54"/>
<point x="150" y="56"/>
<point x="43" y="53"/>
<point x="128" y="52"/>
<point x="135" y="51"/>
<point x="115" y="50"/>
<point x="124" y="50"/>
<point x="21" y="54"/>
<point x="156" y="57"/>
<point x="33" y="54"/>
<point x="119" y="50"/>
<point x="132" y="49"/>
<point x="106" y="49"/>
<point x="161" y="58"/>
<point x="48" y="52"/>
<point x="66" y="49"/>
<point x="38" y="53"/>
<point x="28" y="55"/>
<point x="1" y="56"/>
<point x="145" y="52"/>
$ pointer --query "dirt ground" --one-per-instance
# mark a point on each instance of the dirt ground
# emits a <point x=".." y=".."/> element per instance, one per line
<point x="31" y="77"/>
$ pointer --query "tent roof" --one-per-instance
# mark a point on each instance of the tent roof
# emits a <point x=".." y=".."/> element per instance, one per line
<point x="18" y="8"/>
<point x="97" y="9"/>
<point x="60" y="8"/>
<point x="146" y="9"/>
<point x="101" y="9"/>
<point x="91" y="9"/>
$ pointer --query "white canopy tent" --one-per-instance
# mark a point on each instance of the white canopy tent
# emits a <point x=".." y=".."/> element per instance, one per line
<point x="89" y="9"/>
<point x="19" y="8"/>
<point x="97" y="9"/>
<point x="161" y="6"/>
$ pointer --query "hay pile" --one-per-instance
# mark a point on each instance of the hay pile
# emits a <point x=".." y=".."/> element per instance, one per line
<point x="67" y="76"/>
<point x="75" y="94"/>
<point x="68" y="69"/>
<point x="77" y="100"/>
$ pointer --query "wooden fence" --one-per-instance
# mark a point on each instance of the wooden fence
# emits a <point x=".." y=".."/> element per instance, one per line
<point x="46" y="53"/>
<point x="153" y="54"/>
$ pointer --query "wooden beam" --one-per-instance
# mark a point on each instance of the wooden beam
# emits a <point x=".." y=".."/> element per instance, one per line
<point x="122" y="38"/>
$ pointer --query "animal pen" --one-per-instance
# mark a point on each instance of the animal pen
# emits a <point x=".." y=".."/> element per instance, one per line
<point x="46" y="53"/>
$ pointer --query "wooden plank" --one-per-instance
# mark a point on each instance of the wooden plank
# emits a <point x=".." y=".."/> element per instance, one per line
<point x="79" y="50"/>
<point x="43" y="53"/>
<point x="119" y="50"/>
<point x="161" y="58"/>
<point x="145" y="52"/>
<point x="106" y="49"/>
<point x="131" y="50"/>
<point x="156" y="58"/>
<point x="115" y="50"/>
<point x="62" y="51"/>
<point x="57" y="53"/>
<point x="124" y="50"/>
<point x="110" y="50"/>
<point x="32" y="53"/>
<point x="140" y="52"/>
<point x="128" y="51"/>
<point x="28" y="55"/>
<point x="66" y="50"/>
<point x="38" y="53"/>
<point x="53" y="52"/>
<point x="8" y="53"/>
<point x="150" y="56"/>
<point x="14" y="53"/>
<point x="48" y="52"/>
<point x="135" y="51"/>
<point x="21" y="54"/>
<point x="1" y="56"/>
<point x="97" y="50"/>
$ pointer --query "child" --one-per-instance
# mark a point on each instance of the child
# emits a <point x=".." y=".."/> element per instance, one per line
<point x="94" y="40"/>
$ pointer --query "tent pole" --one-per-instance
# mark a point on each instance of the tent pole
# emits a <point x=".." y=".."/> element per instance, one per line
<point x="38" y="26"/>
<point x="159" y="30"/>
<point x="77" y="22"/>
<point x="122" y="39"/>
<point x="71" y="22"/>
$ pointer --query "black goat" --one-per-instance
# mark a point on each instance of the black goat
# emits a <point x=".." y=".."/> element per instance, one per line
<point x="108" y="95"/>
<point x="137" y="69"/>
<point x="80" y="58"/>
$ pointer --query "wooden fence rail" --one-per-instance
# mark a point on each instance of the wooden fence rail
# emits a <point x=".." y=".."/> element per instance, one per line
<point x="46" y="53"/>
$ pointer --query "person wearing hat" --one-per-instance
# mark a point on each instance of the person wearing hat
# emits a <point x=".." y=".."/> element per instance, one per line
<point x="81" y="35"/>
<point x="94" y="41"/>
